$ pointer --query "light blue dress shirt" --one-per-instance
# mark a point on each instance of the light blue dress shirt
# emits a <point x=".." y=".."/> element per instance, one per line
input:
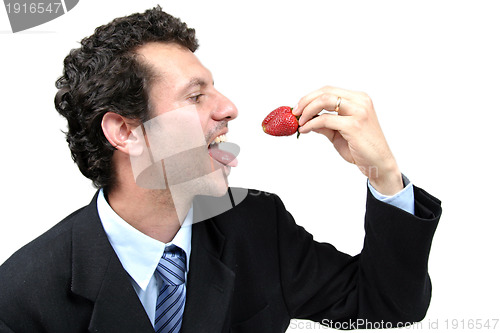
<point x="139" y="254"/>
<point x="404" y="199"/>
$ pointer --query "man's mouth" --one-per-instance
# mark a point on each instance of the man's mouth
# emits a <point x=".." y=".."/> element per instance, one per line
<point x="223" y="152"/>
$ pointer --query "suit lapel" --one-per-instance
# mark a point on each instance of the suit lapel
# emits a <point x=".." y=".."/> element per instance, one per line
<point x="210" y="282"/>
<point x="98" y="275"/>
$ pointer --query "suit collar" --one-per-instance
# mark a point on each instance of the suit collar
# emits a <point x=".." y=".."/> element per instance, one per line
<point x="98" y="276"/>
<point x="139" y="254"/>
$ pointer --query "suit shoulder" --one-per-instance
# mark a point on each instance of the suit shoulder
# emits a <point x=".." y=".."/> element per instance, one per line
<point x="254" y="195"/>
<point x="38" y="274"/>
<point x="50" y="248"/>
<point x="257" y="200"/>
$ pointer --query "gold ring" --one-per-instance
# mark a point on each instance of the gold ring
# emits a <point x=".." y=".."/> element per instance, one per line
<point x="337" y="106"/>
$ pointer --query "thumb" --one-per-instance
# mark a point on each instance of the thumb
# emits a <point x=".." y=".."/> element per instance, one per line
<point x="326" y="132"/>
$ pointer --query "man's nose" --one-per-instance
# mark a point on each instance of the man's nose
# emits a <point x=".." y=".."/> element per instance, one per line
<point x="225" y="109"/>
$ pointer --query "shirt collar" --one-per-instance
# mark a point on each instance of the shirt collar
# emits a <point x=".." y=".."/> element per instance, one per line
<point x="140" y="254"/>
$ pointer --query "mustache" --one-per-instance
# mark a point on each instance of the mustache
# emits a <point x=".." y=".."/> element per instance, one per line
<point x="210" y="135"/>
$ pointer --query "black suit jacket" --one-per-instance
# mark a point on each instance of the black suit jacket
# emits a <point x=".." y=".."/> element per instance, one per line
<point x="252" y="269"/>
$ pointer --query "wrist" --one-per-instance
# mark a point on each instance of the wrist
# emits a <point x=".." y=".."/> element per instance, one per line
<point x="388" y="182"/>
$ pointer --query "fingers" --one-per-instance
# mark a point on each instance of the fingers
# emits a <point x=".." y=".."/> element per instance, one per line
<point x="327" y="98"/>
<point x="325" y="121"/>
<point x="327" y="102"/>
<point x="345" y="94"/>
<point x="354" y="131"/>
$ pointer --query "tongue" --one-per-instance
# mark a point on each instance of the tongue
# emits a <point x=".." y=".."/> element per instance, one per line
<point x="225" y="153"/>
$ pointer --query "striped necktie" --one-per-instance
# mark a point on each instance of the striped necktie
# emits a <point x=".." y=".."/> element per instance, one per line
<point x="172" y="296"/>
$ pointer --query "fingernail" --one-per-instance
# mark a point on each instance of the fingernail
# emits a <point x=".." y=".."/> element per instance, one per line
<point x="294" y="109"/>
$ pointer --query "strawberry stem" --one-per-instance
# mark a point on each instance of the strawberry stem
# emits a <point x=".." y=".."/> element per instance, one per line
<point x="298" y="133"/>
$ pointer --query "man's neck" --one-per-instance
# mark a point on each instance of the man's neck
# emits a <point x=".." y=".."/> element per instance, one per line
<point x="152" y="212"/>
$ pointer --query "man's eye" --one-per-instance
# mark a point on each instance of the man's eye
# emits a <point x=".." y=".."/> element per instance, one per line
<point x="196" y="98"/>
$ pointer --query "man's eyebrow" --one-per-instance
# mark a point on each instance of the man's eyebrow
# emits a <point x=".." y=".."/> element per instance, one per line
<point x="193" y="83"/>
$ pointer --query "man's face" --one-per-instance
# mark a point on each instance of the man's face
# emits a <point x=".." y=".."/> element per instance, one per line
<point x="185" y="102"/>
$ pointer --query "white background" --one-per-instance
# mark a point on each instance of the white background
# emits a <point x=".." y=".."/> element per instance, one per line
<point x="431" y="68"/>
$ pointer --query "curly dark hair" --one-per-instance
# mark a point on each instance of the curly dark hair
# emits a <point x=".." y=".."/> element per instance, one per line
<point x="104" y="75"/>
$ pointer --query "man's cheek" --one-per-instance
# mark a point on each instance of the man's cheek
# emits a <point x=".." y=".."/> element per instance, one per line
<point x="169" y="149"/>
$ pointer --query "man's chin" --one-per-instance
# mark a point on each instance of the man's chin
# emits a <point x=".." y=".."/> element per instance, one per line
<point x="217" y="183"/>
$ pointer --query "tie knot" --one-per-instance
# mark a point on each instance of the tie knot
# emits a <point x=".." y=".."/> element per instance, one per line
<point x="172" y="266"/>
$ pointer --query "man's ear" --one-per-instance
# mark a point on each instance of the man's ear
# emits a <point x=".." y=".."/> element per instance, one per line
<point x="118" y="130"/>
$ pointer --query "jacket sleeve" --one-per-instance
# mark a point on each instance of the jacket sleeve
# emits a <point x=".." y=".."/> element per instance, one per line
<point x="386" y="285"/>
<point x="4" y="328"/>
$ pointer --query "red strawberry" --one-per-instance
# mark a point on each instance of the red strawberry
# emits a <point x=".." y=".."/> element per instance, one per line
<point x="281" y="122"/>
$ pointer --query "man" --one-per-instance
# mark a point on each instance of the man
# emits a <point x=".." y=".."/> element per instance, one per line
<point x="134" y="260"/>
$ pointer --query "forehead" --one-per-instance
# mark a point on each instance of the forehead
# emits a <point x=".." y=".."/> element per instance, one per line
<point x="174" y="65"/>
